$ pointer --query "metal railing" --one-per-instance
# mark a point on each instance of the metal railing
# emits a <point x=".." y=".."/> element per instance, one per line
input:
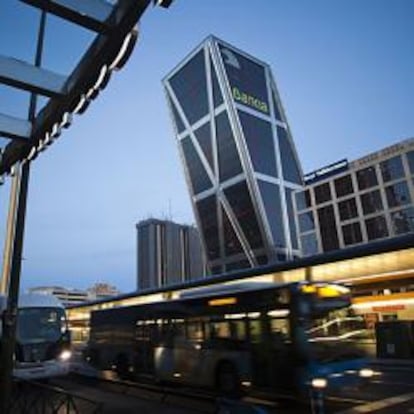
<point x="31" y="397"/>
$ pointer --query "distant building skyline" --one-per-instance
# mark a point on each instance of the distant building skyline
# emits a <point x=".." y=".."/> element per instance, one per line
<point x="167" y="253"/>
<point x="238" y="154"/>
<point x="349" y="203"/>
<point x="72" y="296"/>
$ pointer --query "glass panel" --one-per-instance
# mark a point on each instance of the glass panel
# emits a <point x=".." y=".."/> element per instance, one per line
<point x="343" y="186"/>
<point x="327" y="227"/>
<point x="303" y="200"/>
<point x="371" y="202"/>
<point x="241" y="203"/>
<point x="291" y="216"/>
<point x="247" y="80"/>
<point x="259" y="140"/>
<point x="228" y="157"/>
<point x="322" y="193"/>
<point x="240" y="264"/>
<point x="403" y="221"/>
<point x="203" y="135"/>
<point x="217" y="95"/>
<point x="352" y="233"/>
<point x="376" y="227"/>
<point x="309" y="244"/>
<point x="367" y="178"/>
<point x="271" y="200"/>
<point x="198" y="175"/>
<point x="262" y="260"/>
<point x="190" y="88"/>
<point x="177" y="118"/>
<point x="232" y="244"/>
<point x="410" y="158"/>
<point x="306" y="221"/>
<point x="392" y="169"/>
<point x="207" y="212"/>
<point x="216" y="270"/>
<point x="291" y="170"/>
<point x="276" y="107"/>
<point x="347" y="209"/>
<point x="398" y="194"/>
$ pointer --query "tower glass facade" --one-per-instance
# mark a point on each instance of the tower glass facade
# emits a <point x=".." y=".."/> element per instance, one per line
<point x="239" y="158"/>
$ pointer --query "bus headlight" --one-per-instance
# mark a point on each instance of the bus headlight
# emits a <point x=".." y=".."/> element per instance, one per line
<point x="366" y="373"/>
<point x="65" y="355"/>
<point x="319" y="383"/>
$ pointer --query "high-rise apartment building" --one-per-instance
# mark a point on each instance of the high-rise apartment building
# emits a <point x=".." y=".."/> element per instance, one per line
<point x="349" y="203"/>
<point x="167" y="253"/>
<point x="239" y="158"/>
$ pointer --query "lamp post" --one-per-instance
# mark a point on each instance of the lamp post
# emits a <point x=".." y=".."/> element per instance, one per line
<point x="17" y="217"/>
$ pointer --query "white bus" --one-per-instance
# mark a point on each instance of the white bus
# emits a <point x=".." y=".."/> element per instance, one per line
<point x="42" y="337"/>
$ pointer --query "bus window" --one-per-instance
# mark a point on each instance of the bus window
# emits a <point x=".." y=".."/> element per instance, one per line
<point x="228" y="329"/>
<point x="195" y="331"/>
<point x="220" y="329"/>
<point x="255" y="331"/>
<point x="279" y="328"/>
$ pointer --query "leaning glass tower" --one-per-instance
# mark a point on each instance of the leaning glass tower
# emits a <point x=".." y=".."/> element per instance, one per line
<point x="239" y="158"/>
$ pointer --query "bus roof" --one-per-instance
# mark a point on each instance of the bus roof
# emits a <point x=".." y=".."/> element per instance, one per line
<point x="231" y="288"/>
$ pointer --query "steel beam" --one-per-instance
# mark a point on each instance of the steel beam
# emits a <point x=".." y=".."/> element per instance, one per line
<point x="91" y="14"/>
<point x="12" y="127"/>
<point x="102" y="51"/>
<point x="22" y="75"/>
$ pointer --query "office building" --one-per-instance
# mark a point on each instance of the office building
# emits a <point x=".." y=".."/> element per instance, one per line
<point x="349" y="203"/>
<point x="239" y="159"/>
<point x="168" y="253"/>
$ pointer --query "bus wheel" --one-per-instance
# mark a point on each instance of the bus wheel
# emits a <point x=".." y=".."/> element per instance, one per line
<point x="227" y="380"/>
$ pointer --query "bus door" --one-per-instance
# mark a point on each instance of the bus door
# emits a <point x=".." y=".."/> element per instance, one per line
<point x="270" y="349"/>
<point x="188" y="352"/>
<point x="147" y="337"/>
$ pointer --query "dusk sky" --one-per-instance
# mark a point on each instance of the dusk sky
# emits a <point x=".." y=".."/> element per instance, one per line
<point x="345" y="73"/>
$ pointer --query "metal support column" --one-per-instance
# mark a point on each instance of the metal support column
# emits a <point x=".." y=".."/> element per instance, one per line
<point x="16" y="246"/>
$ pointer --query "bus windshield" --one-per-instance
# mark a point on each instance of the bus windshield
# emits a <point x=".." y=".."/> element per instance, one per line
<point x="35" y="325"/>
<point x="338" y="336"/>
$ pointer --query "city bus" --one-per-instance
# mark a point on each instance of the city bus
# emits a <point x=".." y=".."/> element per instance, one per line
<point x="42" y="337"/>
<point x="284" y="337"/>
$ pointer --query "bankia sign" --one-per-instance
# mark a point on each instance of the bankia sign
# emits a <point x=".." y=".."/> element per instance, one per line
<point x="247" y="80"/>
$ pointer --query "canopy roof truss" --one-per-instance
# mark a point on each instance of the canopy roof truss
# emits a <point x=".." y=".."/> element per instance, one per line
<point x="113" y="23"/>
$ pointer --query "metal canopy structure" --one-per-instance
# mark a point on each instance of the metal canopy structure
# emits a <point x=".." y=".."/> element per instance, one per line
<point x="113" y="21"/>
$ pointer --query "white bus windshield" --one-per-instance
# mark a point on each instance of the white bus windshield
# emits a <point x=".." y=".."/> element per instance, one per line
<point x="35" y="325"/>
